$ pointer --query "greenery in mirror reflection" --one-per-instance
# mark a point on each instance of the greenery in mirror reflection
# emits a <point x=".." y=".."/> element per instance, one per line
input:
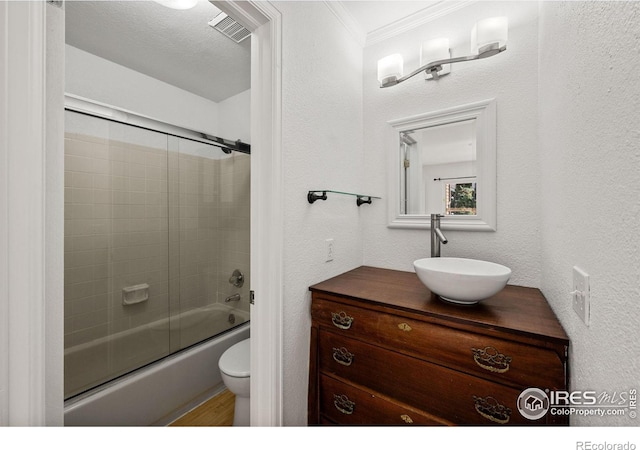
<point x="461" y="199"/>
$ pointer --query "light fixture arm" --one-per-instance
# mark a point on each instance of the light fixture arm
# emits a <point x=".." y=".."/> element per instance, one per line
<point x="432" y="68"/>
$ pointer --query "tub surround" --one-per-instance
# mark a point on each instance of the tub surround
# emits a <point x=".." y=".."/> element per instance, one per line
<point x="159" y="393"/>
<point x="385" y="350"/>
<point x="87" y="365"/>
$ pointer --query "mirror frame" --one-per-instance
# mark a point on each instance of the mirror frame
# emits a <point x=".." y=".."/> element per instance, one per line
<point x="484" y="112"/>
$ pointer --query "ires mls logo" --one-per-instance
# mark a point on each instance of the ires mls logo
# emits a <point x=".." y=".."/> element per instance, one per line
<point x="533" y="403"/>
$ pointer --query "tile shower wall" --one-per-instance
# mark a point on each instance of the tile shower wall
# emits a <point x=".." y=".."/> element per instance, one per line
<point x="116" y="233"/>
<point x="141" y="207"/>
<point x="209" y="228"/>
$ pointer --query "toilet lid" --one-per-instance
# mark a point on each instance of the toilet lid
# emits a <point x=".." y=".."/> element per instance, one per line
<point x="235" y="360"/>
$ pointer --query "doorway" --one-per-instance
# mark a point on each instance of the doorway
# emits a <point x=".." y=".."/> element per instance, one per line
<point x="38" y="370"/>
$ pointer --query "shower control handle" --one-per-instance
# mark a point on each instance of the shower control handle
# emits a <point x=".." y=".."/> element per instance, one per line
<point x="237" y="278"/>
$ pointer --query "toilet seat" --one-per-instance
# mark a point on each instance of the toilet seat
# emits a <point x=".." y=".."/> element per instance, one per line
<point x="235" y="360"/>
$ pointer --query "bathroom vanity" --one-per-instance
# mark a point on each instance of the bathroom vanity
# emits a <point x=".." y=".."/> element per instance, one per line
<point x="385" y="350"/>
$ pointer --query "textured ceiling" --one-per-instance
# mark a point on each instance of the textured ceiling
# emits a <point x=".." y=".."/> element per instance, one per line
<point x="174" y="46"/>
<point x="180" y="48"/>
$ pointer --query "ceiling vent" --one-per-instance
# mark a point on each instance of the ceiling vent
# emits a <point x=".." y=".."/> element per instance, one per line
<point x="230" y="28"/>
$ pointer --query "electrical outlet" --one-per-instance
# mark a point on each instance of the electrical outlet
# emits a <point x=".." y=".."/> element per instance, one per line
<point x="329" y="249"/>
<point x="581" y="295"/>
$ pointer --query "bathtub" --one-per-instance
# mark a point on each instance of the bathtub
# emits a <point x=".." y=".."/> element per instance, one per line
<point x="160" y="392"/>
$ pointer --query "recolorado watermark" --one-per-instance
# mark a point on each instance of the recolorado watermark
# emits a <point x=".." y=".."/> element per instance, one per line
<point x="588" y="445"/>
<point x="534" y="403"/>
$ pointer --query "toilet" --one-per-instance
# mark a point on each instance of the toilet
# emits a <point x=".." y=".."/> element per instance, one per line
<point x="234" y="367"/>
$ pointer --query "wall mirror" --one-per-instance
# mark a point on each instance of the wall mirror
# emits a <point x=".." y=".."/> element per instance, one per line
<point x="444" y="162"/>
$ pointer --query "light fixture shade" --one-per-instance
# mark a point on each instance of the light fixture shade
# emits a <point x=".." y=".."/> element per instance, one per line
<point x="489" y="31"/>
<point x="435" y="50"/>
<point x="390" y="67"/>
<point x="178" y="4"/>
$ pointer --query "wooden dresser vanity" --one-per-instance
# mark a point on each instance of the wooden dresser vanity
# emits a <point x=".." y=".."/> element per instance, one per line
<point x="386" y="351"/>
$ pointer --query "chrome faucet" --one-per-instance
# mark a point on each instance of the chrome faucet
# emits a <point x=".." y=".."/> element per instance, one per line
<point x="436" y="235"/>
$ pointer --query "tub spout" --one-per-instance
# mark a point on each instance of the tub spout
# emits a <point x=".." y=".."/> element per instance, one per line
<point x="232" y="298"/>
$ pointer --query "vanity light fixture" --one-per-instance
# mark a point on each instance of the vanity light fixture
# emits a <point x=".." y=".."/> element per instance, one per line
<point x="488" y="38"/>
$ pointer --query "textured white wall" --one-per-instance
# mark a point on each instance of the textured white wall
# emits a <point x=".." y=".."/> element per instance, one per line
<point x="590" y="160"/>
<point x="510" y="78"/>
<point x="234" y="117"/>
<point x="101" y="80"/>
<point x="322" y="149"/>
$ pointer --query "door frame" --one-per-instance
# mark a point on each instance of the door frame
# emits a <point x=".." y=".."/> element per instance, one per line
<point x="30" y="301"/>
<point x="267" y="209"/>
<point x="31" y="211"/>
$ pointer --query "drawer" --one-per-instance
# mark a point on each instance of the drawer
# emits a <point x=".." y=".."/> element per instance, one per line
<point x="348" y="405"/>
<point x="455" y="396"/>
<point x="509" y="362"/>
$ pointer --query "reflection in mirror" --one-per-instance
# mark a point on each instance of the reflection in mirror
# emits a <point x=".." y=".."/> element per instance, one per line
<point x="444" y="162"/>
<point x="439" y="169"/>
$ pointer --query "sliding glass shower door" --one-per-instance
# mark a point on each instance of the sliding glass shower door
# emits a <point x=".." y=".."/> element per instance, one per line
<point x="116" y="253"/>
<point x="209" y="216"/>
<point x="155" y="225"/>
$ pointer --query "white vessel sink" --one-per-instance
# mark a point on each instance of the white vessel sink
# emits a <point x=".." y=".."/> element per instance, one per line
<point x="460" y="280"/>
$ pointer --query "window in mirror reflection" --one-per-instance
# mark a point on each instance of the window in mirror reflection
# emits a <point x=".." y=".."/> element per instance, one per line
<point x="461" y="199"/>
<point x="438" y="170"/>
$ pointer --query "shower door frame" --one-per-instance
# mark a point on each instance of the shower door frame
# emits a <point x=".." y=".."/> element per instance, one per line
<point x="31" y="391"/>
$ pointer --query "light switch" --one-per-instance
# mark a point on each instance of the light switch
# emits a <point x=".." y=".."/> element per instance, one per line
<point x="581" y="295"/>
<point x="329" y="250"/>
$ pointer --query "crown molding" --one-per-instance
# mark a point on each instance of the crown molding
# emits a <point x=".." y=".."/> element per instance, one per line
<point x="347" y="20"/>
<point x="415" y="20"/>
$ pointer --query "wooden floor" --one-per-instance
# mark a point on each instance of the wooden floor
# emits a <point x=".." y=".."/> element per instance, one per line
<point x="215" y="412"/>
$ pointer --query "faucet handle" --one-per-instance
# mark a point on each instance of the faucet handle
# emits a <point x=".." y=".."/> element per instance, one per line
<point x="237" y="278"/>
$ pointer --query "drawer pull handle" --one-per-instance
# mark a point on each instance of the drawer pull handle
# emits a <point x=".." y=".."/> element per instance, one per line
<point x="491" y="359"/>
<point x="491" y="409"/>
<point x="343" y="404"/>
<point x="341" y="320"/>
<point x="342" y="356"/>
<point x="406" y="418"/>
<point x="404" y="326"/>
